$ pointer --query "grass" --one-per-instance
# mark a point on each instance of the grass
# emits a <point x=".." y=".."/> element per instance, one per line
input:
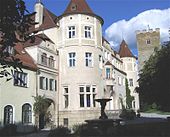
<point x="157" y="112"/>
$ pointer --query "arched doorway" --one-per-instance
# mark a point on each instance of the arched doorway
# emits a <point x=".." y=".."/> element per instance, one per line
<point x="46" y="118"/>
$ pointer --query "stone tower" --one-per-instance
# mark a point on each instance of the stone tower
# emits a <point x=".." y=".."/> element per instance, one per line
<point x="147" y="41"/>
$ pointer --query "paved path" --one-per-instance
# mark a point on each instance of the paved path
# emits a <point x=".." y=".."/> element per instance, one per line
<point x="145" y="117"/>
<point x="38" y="134"/>
<point x="154" y="115"/>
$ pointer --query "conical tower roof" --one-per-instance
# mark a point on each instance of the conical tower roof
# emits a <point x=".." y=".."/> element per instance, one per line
<point x="124" y="50"/>
<point x="80" y="7"/>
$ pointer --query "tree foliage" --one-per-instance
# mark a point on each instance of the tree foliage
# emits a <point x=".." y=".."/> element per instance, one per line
<point x="154" y="81"/>
<point x="41" y="105"/>
<point x="15" y="22"/>
<point x="129" y="98"/>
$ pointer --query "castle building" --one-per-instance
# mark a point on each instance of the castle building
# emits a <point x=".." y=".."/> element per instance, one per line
<point x="147" y="41"/>
<point x="74" y="65"/>
<point x="131" y="68"/>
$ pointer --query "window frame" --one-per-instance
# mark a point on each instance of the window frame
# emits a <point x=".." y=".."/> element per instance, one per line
<point x="72" y="59"/>
<point x="44" y="59"/>
<point x="51" y="62"/>
<point x="88" y="59"/>
<point x="8" y="115"/>
<point x="86" y="97"/>
<point x="88" y="32"/>
<point x="66" y="97"/>
<point x="71" y="32"/>
<point x="26" y="113"/>
<point x="20" y="79"/>
<point x="131" y="83"/>
<point x="108" y="73"/>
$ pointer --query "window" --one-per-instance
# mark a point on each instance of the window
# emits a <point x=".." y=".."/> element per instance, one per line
<point x="66" y="97"/>
<point x="105" y="54"/>
<point x="20" y="79"/>
<point x="108" y="74"/>
<point x="87" y="31"/>
<point x="43" y="83"/>
<point x="94" y="95"/>
<point x="87" y="96"/>
<point x="100" y="58"/>
<point x="51" y="61"/>
<point x="52" y="84"/>
<point x="119" y="80"/>
<point x="71" y="31"/>
<point x="55" y="85"/>
<point x="8" y="115"/>
<point x="65" y="122"/>
<point x="72" y="59"/>
<point x="26" y="113"/>
<point x="131" y="82"/>
<point x="148" y="41"/>
<point x="100" y="62"/>
<point x="44" y="59"/>
<point x="88" y="59"/>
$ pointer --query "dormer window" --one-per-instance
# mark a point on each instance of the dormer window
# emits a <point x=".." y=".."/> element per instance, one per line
<point x="71" y="31"/>
<point x="73" y="7"/>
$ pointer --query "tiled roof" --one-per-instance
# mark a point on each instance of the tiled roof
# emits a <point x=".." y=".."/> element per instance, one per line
<point x="49" y="20"/>
<point x="38" y="39"/>
<point x="80" y="7"/>
<point x="24" y="57"/>
<point x="124" y="51"/>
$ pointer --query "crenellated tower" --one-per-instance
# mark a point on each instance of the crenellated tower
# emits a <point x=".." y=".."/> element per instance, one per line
<point x="147" y="41"/>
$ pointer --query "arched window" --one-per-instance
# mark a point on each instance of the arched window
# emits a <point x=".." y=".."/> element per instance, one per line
<point x="26" y="113"/>
<point x="8" y="115"/>
<point x="51" y="61"/>
<point x="44" y="58"/>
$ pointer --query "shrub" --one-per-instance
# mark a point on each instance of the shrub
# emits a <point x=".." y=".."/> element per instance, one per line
<point x="86" y="130"/>
<point x="59" y="131"/>
<point x="127" y="114"/>
<point x="8" y="130"/>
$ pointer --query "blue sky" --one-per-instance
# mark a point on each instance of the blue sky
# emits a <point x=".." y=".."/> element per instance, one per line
<point x="113" y="12"/>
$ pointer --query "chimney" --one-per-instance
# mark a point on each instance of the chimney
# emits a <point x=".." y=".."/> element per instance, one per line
<point x="39" y="13"/>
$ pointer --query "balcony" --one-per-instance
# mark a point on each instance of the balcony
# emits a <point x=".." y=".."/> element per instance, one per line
<point x="110" y="81"/>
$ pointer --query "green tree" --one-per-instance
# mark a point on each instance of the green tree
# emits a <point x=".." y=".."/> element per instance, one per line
<point x="129" y="98"/>
<point x="40" y="106"/>
<point x="154" y="81"/>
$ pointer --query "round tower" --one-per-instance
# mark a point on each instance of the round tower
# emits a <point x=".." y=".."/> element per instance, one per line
<point x="131" y="69"/>
<point x="79" y="45"/>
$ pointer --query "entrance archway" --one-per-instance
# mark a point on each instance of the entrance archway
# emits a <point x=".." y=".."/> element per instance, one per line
<point x="46" y="119"/>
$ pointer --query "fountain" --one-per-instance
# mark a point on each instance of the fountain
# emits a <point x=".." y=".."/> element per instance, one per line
<point x="103" y="105"/>
<point x="103" y="123"/>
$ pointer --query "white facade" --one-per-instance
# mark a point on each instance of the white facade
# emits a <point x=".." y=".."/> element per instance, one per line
<point x="13" y="96"/>
<point x="83" y="68"/>
<point x="131" y="69"/>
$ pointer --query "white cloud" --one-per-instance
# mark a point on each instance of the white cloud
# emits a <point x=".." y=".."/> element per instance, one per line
<point x="123" y="29"/>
